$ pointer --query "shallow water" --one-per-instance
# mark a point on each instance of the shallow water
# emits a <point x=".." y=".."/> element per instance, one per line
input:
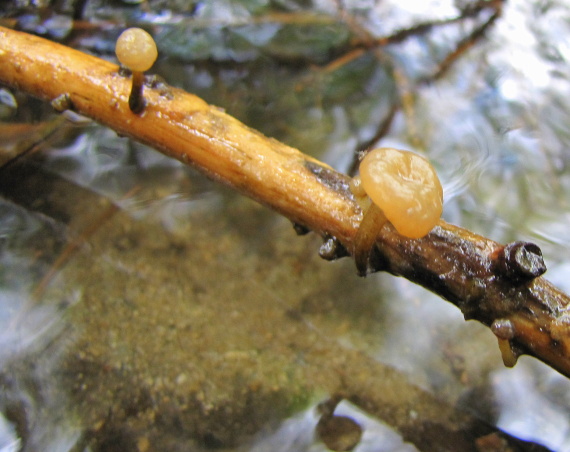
<point x="184" y="317"/>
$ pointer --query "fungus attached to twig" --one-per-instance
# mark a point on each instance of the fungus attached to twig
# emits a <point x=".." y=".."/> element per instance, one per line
<point x="505" y="331"/>
<point x="404" y="190"/>
<point x="136" y="50"/>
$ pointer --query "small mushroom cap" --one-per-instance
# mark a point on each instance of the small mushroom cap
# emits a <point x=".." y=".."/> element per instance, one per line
<point x="405" y="187"/>
<point x="136" y="49"/>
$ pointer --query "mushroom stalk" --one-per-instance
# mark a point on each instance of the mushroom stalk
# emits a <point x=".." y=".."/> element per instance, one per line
<point x="136" y="100"/>
<point x="372" y="222"/>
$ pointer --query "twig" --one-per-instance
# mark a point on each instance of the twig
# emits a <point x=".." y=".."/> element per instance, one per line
<point x="75" y="244"/>
<point x="31" y="139"/>
<point x="422" y="28"/>
<point x="497" y="285"/>
<point x="365" y="42"/>
<point x="463" y="46"/>
<point x="367" y="145"/>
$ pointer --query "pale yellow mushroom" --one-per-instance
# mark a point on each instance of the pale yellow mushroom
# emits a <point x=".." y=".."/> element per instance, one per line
<point x="404" y="190"/>
<point x="137" y="51"/>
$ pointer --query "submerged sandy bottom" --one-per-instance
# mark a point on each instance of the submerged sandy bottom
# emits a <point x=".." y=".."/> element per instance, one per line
<point x="194" y="323"/>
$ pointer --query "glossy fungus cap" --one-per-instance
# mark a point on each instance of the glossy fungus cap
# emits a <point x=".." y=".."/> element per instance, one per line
<point x="136" y="49"/>
<point x="405" y="187"/>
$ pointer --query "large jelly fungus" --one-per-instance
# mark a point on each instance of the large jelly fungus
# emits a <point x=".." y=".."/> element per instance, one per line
<point x="137" y="51"/>
<point x="406" y="187"/>
<point x="404" y="190"/>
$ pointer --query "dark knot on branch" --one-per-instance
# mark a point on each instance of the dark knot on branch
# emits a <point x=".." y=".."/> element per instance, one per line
<point x="521" y="261"/>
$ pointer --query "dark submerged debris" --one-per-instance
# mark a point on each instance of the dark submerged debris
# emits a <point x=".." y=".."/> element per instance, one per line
<point x="501" y="442"/>
<point x="338" y="433"/>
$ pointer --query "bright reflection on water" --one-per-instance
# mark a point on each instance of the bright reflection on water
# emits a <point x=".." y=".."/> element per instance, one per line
<point x="498" y="134"/>
<point x="28" y="330"/>
<point x="298" y="434"/>
<point x="9" y="442"/>
<point x="502" y="147"/>
<point x="530" y="413"/>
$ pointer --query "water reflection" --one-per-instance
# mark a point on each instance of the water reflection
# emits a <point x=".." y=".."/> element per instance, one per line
<point x="9" y="442"/>
<point x="178" y="315"/>
<point x="197" y="316"/>
<point x="298" y="434"/>
<point x="534" y="404"/>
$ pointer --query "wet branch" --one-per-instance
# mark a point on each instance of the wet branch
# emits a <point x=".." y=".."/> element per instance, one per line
<point x="497" y="285"/>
